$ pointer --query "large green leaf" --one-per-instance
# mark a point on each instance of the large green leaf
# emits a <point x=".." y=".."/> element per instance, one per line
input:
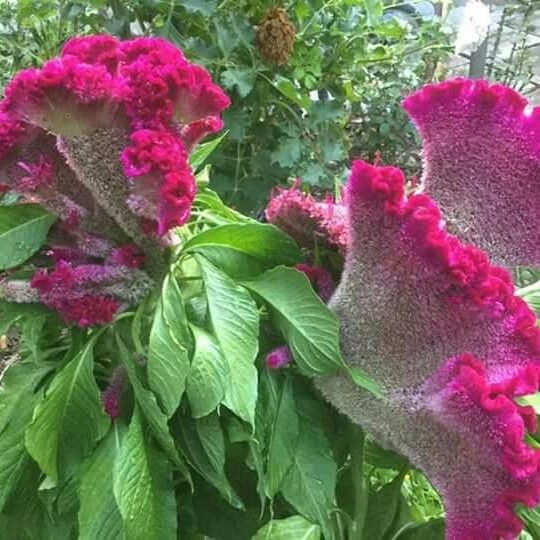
<point x="310" y="482"/>
<point x="70" y="420"/>
<point x="245" y="249"/>
<point x="14" y="459"/>
<point x="205" y="447"/>
<point x="23" y="230"/>
<point x="208" y="375"/>
<point x="292" y="528"/>
<point x="17" y="385"/>
<point x="153" y="414"/>
<point x="99" y="517"/>
<point x="309" y="327"/>
<point x="235" y="322"/>
<point x="382" y="509"/>
<point x="283" y="430"/>
<point x="143" y="487"/>
<point x="168" y="359"/>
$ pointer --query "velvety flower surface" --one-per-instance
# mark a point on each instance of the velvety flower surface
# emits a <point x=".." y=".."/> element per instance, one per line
<point x="308" y="221"/>
<point x="482" y="164"/>
<point x="439" y="328"/>
<point x="101" y="137"/>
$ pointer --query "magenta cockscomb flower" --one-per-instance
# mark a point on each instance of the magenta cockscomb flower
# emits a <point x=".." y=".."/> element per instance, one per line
<point x="307" y="220"/>
<point x="101" y="137"/>
<point x="439" y="328"/>
<point x="482" y="164"/>
<point x="103" y="97"/>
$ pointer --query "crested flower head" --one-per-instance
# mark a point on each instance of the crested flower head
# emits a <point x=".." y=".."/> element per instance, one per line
<point x="482" y="164"/>
<point x="431" y="320"/>
<point x="308" y="221"/>
<point x="101" y="137"/>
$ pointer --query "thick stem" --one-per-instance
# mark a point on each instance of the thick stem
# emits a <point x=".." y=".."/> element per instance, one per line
<point x="357" y="439"/>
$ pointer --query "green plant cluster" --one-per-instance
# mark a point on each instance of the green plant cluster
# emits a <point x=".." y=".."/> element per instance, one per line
<point x="338" y="96"/>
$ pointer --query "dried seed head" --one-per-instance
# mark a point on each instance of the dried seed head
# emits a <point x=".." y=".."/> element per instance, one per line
<point x="275" y="36"/>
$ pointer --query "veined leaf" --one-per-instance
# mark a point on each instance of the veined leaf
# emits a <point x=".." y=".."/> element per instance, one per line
<point x="99" y="517"/>
<point x="245" y="249"/>
<point x="143" y="488"/>
<point x="205" y="446"/>
<point x="235" y="322"/>
<point x="20" y="402"/>
<point x="208" y="375"/>
<point x="70" y="420"/>
<point x="168" y="360"/>
<point x="294" y="527"/>
<point x="18" y="384"/>
<point x="310" y="482"/>
<point x="374" y="11"/>
<point x="283" y="430"/>
<point x="148" y="404"/>
<point x="23" y="230"/>
<point x="309" y="327"/>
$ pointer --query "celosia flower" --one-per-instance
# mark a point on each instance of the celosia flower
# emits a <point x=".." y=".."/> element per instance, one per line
<point x="91" y="294"/>
<point x="111" y="397"/>
<point x="482" y="164"/>
<point x="101" y="137"/>
<point x="278" y="357"/>
<point x="441" y="331"/>
<point x="308" y="221"/>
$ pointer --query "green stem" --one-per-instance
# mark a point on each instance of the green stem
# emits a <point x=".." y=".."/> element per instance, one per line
<point x="357" y="439"/>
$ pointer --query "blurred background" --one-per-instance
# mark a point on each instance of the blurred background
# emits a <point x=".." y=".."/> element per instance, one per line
<point x="313" y="84"/>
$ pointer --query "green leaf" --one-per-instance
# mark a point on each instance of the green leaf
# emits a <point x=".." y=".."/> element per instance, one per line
<point x="143" y="488"/>
<point x="99" y="517"/>
<point x="205" y="447"/>
<point x="289" y="90"/>
<point x="168" y="359"/>
<point x="434" y="529"/>
<point x="204" y="7"/>
<point x="240" y="78"/>
<point x="382" y="508"/>
<point x="245" y="249"/>
<point x="208" y="375"/>
<point x="70" y="420"/>
<point x="309" y="327"/>
<point x="294" y="527"/>
<point x="374" y="11"/>
<point x="23" y="230"/>
<point x="235" y="321"/>
<point x="19" y="382"/>
<point x="14" y="459"/>
<point x="288" y="152"/>
<point x="202" y="152"/>
<point x="310" y="482"/>
<point x="153" y="414"/>
<point x="283" y="432"/>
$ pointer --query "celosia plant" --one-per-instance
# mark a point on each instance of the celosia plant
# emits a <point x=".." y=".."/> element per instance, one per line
<point x="101" y="137"/>
<point x="439" y="327"/>
<point x="172" y="419"/>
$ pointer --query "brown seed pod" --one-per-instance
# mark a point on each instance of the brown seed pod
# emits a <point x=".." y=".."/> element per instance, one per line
<point x="275" y="36"/>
